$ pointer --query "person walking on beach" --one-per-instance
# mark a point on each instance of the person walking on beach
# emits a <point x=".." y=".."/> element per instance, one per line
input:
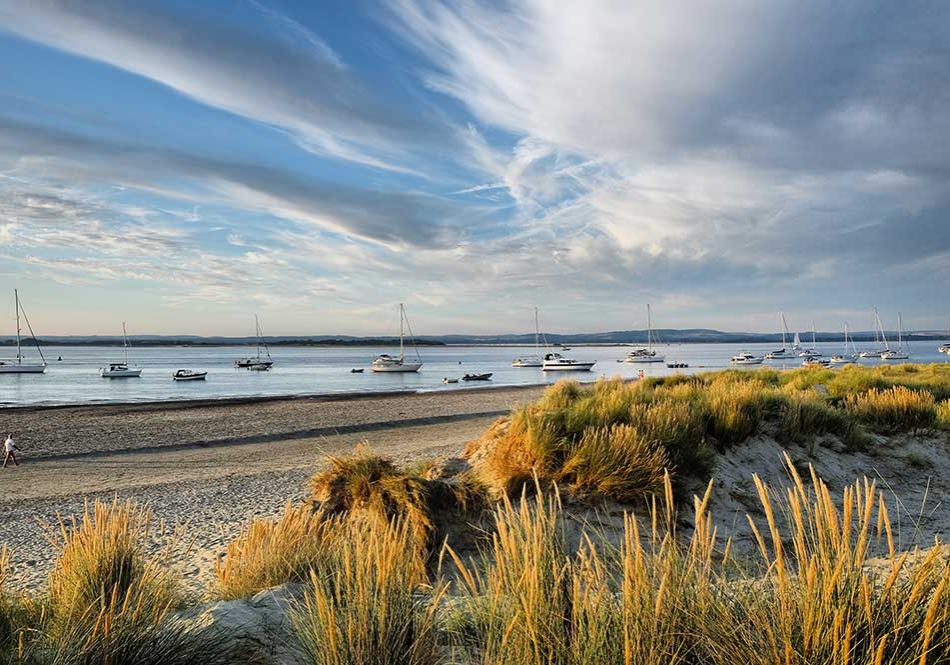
<point x="9" y="446"/>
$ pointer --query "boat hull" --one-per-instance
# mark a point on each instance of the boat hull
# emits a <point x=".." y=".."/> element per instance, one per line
<point x="645" y="359"/>
<point x="191" y="377"/>
<point x="120" y="373"/>
<point x="402" y="368"/>
<point x="527" y="362"/>
<point x="568" y="367"/>
<point x="24" y="368"/>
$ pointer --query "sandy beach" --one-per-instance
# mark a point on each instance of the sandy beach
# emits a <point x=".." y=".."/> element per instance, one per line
<point x="207" y="468"/>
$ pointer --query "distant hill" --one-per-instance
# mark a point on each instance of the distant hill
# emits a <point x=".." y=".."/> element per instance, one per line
<point x="665" y="335"/>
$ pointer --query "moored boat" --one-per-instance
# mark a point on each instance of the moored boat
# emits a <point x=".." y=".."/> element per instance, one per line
<point x="121" y="370"/>
<point x="18" y="365"/>
<point x="648" y="354"/>
<point x="386" y="363"/>
<point x="477" y="377"/>
<point x="535" y="360"/>
<point x="258" y="360"/>
<point x="746" y="358"/>
<point x="783" y="353"/>
<point x="899" y="353"/>
<point x="189" y="375"/>
<point x="555" y="362"/>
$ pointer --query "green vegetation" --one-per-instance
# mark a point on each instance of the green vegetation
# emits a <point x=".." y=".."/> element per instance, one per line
<point x="614" y="439"/>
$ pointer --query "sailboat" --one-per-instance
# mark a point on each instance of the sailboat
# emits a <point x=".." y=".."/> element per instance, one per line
<point x="388" y="363"/>
<point x="17" y="366"/>
<point x="535" y="360"/>
<point x="647" y="355"/>
<point x="796" y="343"/>
<point x="812" y="353"/>
<point x="898" y="353"/>
<point x="780" y="354"/>
<point x="121" y="370"/>
<point x="945" y="348"/>
<point x="844" y="358"/>
<point x="880" y="341"/>
<point x="258" y="362"/>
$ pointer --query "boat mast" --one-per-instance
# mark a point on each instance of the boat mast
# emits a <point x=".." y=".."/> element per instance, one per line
<point x="125" y="344"/>
<point x="784" y="331"/>
<point x="402" y="315"/>
<point x="813" y="344"/>
<point x="900" y="333"/>
<point x="19" y="355"/>
<point x="649" y="329"/>
<point x="537" y="333"/>
<point x="880" y="325"/>
<point x="257" y="331"/>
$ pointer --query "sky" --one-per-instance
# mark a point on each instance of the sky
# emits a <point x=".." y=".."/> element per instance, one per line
<point x="184" y="165"/>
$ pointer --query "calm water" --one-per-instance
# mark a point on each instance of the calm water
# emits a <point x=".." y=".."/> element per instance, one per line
<point x="313" y="371"/>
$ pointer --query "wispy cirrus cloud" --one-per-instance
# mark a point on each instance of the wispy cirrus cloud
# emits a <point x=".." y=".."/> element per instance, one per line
<point x="279" y="73"/>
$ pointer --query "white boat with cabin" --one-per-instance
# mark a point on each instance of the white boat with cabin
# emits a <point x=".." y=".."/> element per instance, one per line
<point x="535" y="360"/>
<point x="121" y="370"/>
<point x="189" y="375"/>
<point x="746" y="358"/>
<point x="18" y="365"/>
<point x="811" y="353"/>
<point x="648" y="354"/>
<point x="555" y="362"/>
<point x="387" y="363"/>
<point x="258" y="360"/>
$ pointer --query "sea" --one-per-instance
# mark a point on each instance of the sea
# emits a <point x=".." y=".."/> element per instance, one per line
<point x="302" y="371"/>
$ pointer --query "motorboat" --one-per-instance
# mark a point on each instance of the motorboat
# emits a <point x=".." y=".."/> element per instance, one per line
<point x="944" y="348"/>
<point x="784" y="352"/>
<point x="18" y="365"/>
<point x="815" y="361"/>
<point x="259" y="359"/>
<point x="648" y="354"/>
<point x="746" y="358"/>
<point x="387" y="363"/>
<point x="259" y="367"/>
<point x="838" y="359"/>
<point x="555" y="362"/>
<point x="535" y="360"/>
<point x="899" y="353"/>
<point x="356" y="370"/>
<point x="477" y="377"/>
<point x="677" y="365"/>
<point x="121" y="370"/>
<point x="189" y="375"/>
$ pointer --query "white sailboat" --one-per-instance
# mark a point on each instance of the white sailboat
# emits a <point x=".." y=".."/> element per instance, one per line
<point x="844" y="358"/>
<point x="898" y="353"/>
<point x="880" y="341"/>
<point x="783" y="353"/>
<point x="258" y="362"/>
<point x="17" y="365"/>
<point x="812" y="353"/>
<point x="945" y="348"/>
<point x="796" y="343"/>
<point x="535" y="360"/>
<point x="388" y="363"/>
<point x="121" y="370"/>
<point x="648" y="354"/>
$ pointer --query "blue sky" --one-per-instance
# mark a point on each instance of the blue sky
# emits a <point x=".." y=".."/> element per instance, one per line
<point x="183" y="165"/>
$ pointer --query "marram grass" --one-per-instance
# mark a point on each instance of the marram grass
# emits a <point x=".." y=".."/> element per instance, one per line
<point x="811" y="595"/>
<point x="615" y="438"/>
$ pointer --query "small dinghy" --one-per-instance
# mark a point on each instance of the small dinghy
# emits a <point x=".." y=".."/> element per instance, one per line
<point x="677" y="365"/>
<point x="356" y="370"/>
<point x="448" y="380"/>
<point x="477" y="377"/>
<point x="189" y="375"/>
<point x="259" y="367"/>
